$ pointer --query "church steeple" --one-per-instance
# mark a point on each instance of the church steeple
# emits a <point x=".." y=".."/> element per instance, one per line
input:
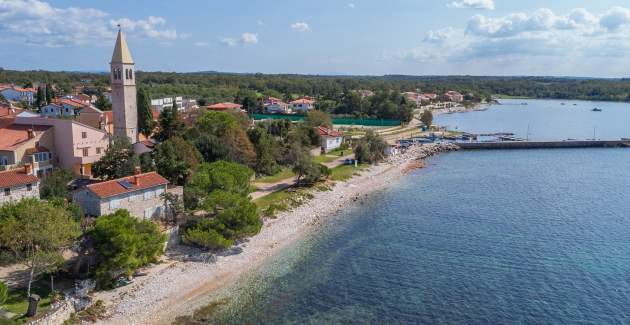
<point x="121" y="51"/>
<point x="123" y="81"/>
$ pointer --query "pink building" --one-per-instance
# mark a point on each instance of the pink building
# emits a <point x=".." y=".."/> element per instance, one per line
<point x="77" y="146"/>
<point x="453" y="96"/>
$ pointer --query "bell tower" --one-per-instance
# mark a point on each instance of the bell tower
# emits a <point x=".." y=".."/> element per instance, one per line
<point x="123" y="82"/>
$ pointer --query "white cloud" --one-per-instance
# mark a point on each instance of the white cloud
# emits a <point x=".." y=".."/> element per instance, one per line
<point x="473" y="4"/>
<point x="351" y="6"/>
<point x="148" y="27"/>
<point x="300" y="27"/>
<point x="229" y="41"/>
<point x="245" y="39"/>
<point x="519" y="40"/>
<point x="39" y="23"/>
<point x="260" y="23"/>
<point x="201" y="44"/>
<point x="249" y="38"/>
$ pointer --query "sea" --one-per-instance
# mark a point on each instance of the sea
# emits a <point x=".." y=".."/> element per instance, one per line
<point x="477" y="237"/>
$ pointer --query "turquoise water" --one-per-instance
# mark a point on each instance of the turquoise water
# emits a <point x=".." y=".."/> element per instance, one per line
<point x="546" y="119"/>
<point x="480" y="237"/>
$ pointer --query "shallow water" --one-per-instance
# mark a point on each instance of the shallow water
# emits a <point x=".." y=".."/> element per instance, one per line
<point x="480" y="237"/>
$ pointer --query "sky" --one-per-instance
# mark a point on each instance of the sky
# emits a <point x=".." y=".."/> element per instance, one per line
<point x="583" y="38"/>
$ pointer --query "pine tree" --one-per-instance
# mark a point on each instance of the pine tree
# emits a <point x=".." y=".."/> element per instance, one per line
<point x="49" y="94"/>
<point x="39" y="97"/>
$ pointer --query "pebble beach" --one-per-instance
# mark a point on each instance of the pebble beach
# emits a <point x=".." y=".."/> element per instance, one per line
<point x="174" y="287"/>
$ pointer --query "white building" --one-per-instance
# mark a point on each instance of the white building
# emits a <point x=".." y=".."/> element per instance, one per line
<point x="17" y="94"/>
<point x="331" y="139"/>
<point x="302" y="105"/>
<point x="18" y="184"/>
<point x="276" y="106"/>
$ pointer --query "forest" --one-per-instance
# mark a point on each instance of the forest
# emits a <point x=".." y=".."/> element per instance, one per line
<point x="217" y="87"/>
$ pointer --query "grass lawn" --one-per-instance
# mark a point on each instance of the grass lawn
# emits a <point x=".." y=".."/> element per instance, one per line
<point x="282" y="174"/>
<point x="17" y="303"/>
<point x="273" y="198"/>
<point x="345" y="172"/>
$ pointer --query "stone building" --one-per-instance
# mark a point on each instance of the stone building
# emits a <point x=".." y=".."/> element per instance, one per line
<point x="18" y="184"/>
<point x="123" y="81"/>
<point x="140" y="194"/>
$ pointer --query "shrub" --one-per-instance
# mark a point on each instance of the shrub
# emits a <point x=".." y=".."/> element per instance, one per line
<point x="4" y="293"/>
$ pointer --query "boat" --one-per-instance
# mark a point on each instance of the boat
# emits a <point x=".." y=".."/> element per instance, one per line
<point x="596" y="109"/>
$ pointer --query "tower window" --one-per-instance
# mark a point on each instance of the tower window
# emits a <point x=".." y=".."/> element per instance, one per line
<point x="130" y="74"/>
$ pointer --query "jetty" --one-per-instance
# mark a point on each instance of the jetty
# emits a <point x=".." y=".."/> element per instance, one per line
<point x="502" y="145"/>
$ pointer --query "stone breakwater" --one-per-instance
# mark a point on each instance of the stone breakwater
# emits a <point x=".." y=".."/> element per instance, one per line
<point x="421" y="151"/>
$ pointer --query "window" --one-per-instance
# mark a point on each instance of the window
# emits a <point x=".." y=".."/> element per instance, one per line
<point x="133" y="197"/>
<point x="83" y="135"/>
<point x="86" y="152"/>
<point x="158" y="211"/>
<point x="7" y="191"/>
<point x="130" y="74"/>
<point x="4" y="161"/>
<point x="98" y="150"/>
<point x="114" y="204"/>
<point x="29" y="187"/>
<point x="41" y="156"/>
<point x="148" y="212"/>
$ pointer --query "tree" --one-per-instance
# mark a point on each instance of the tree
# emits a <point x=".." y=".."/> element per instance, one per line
<point x="170" y="124"/>
<point x="219" y="175"/>
<point x="39" y="97"/>
<point x="316" y="118"/>
<point x="102" y="102"/>
<point x="370" y="149"/>
<point x="4" y="293"/>
<point x="36" y="232"/>
<point x="307" y="170"/>
<point x="221" y="136"/>
<point x="48" y="93"/>
<point x="123" y="244"/>
<point x="176" y="159"/>
<point x="146" y="124"/>
<point x="229" y="217"/>
<point x="427" y="118"/>
<point x="248" y="99"/>
<point x="119" y="160"/>
<point x="267" y="151"/>
<point x="55" y="185"/>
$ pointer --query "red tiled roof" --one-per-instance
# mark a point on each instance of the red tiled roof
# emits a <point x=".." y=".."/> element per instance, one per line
<point x="329" y="132"/>
<point x="224" y="106"/>
<point x="303" y="101"/>
<point x="113" y="187"/>
<point x="14" y="178"/>
<point x="12" y="135"/>
<point x="30" y="90"/>
<point x="72" y="102"/>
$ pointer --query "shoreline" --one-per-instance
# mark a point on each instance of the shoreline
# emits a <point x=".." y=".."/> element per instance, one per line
<point x="175" y="288"/>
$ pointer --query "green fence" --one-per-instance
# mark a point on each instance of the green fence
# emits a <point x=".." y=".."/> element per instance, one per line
<point x="337" y="121"/>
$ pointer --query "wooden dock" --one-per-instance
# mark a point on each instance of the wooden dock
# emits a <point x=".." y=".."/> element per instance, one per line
<point x="503" y="145"/>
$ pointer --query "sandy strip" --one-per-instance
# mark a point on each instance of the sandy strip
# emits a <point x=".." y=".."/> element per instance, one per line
<point x="171" y="289"/>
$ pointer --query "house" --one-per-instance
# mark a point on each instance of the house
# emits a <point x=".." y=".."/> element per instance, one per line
<point x="73" y="108"/>
<point x="167" y="102"/>
<point x="331" y="139"/>
<point x="302" y="105"/>
<point x="453" y="96"/>
<point x="74" y="145"/>
<point x="22" y="145"/>
<point x="17" y="94"/>
<point x="18" y="184"/>
<point x="225" y="106"/>
<point x="140" y="194"/>
<point x="365" y="93"/>
<point x="276" y="106"/>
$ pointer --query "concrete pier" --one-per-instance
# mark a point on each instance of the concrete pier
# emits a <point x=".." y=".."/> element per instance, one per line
<point x="499" y="145"/>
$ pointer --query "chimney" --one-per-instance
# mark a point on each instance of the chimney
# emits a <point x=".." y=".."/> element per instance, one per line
<point x="31" y="133"/>
<point x="136" y="178"/>
<point x="28" y="169"/>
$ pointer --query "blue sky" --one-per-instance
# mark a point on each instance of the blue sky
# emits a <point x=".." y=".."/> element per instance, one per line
<point x="375" y="37"/>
